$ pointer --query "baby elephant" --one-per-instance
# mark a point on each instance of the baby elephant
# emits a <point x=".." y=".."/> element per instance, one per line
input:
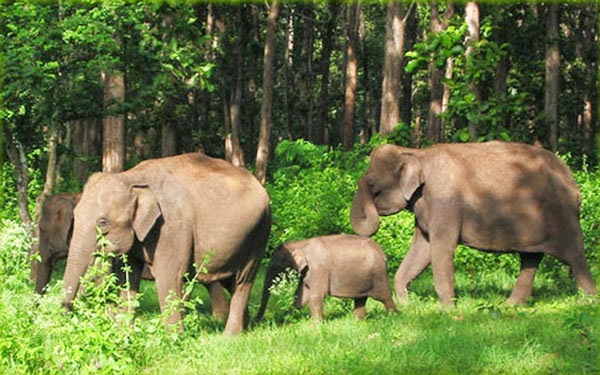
<point x="340" y="265"/>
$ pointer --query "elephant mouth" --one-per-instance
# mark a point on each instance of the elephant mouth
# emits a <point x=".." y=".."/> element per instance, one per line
<point x="387" y="211"/>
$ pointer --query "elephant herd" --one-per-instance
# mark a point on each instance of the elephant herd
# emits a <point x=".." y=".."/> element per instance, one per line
<point x="173" y="213"/>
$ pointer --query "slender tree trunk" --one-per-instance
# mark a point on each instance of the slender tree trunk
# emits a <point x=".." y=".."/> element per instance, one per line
<point x="552" y="75"/>
<point x="18" y="157"/>
<point x="351" y="76"/>
<point x="305" y="83"/>
<point x="407" y="78"/>
<point x="435" y="129"/>
<point x="237" y="154"/>
<point x="262" y="153"/>
<point x="446" y="91"/>
<point x="168" y="137"/>
<point x="113" y="149"/>
<point x="392" y="68"/>
<point x="328" y="43"/>
<point x="87" y="144"/>
<point x="472" y="21"/>
<point x="289" y="74"/>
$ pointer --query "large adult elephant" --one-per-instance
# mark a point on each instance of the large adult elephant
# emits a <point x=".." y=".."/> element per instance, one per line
<point x="171" y="212"/>
<point x="495" y="196"/>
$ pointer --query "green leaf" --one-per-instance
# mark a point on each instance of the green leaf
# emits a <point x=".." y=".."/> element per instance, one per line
<point x="411" y="66"/>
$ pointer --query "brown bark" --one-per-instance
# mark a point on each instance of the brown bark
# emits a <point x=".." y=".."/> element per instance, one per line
<point x="87" y="144"/>
<point x="306" y="107"/>
<point x="262" y="153"/>
<point x="113" y="146"/>
<point x="392" y="68"/>
<point x="351" y="76"/>
<point x="17" y="156"/>
<point x="435" y="129"/>
<point x="406" y="102"/>
<point x="237" y="154"/>
<point x="328" y="43"/>
<point x="472" y="21"/>
<point x="552" y="75"/>
<point x="289" y="74"/>
<point x="168" y="138"/>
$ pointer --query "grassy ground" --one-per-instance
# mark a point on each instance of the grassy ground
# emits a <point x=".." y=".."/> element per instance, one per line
<point x="555" y="333"/>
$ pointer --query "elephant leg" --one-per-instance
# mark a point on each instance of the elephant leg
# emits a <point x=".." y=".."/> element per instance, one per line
<point x="218" y="300"/>
<point x="415" y="262"/>
<point x="239" y="315"/>
<point x="316" y="302"/>
<point x="575" y="259"/>
<point x="168" y="273"/>
<point x="360" y="310"/>
<point x="524" y="285"/>
<point x="443" y="244"/>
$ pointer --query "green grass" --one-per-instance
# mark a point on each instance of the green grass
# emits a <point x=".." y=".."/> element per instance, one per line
<point x="555" y="333"/>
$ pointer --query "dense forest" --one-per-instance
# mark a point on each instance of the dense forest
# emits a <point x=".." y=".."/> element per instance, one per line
<point x="299" y="93"/>
<point x="89" y="87"/>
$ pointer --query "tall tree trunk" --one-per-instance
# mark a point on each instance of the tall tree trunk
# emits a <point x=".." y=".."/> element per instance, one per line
<point x="306" y="71"/>
<point x="406" y="102"/>
<point x="262" y="153"/>
<point x="289" y="74"/>
<point x="328" y="43"/>
<point x="87" y="145"/>
<point x="168" y="137"/>
<point x="552" y="75"/>
<point x="351" y="76"/>
<point x="472" y="21"/>
<point x="113" y="146"/>
<point x="18" y="157"/>
<point x="435" y="129"/>
<point x="392" y="68"/>
<point x="237" y="154"/>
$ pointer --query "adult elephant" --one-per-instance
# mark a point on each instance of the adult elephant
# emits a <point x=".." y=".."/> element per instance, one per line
<point x="171" y="212"/>
<point x="495" y="196"/>
<point x="55" y="227"/>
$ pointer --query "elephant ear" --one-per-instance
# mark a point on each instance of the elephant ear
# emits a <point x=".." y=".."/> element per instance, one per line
<point x="410" y="175"/>
<point x="147" y="211"/>
<point x="299" y="259"/>
<point x="64" y="216"/>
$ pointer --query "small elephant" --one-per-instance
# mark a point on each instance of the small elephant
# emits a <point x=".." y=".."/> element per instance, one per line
<point x="494" y="196"/>
<point x="55" y="227"/>
<point x="170" y="213"/>
<point x="343" y="265"/>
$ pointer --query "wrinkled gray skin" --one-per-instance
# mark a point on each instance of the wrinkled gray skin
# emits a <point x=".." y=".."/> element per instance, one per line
<point x="173" y="212"/>
<point x="344" y="265"/>
<point x="55" y="228"/>
<point x="495" y="196"/>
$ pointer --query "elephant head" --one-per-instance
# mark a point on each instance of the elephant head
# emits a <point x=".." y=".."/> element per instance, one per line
<point x="121" y="210"/>
<point x="393" y="177"/>
<point x="285" y="257"/>
<point x="55" y="227"/>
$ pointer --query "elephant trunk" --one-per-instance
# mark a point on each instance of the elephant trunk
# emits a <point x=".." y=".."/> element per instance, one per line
<point x="363" y="215"/>
<point x="78" y="261"/>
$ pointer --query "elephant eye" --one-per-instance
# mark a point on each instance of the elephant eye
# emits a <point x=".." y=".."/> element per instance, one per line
<point x="103" y="225"/>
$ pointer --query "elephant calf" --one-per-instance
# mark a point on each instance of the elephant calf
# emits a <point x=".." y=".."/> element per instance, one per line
<point x="339" y="265"/>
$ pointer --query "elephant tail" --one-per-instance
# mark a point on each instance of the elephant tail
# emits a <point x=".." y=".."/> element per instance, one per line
<point x="266" y="293"/>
